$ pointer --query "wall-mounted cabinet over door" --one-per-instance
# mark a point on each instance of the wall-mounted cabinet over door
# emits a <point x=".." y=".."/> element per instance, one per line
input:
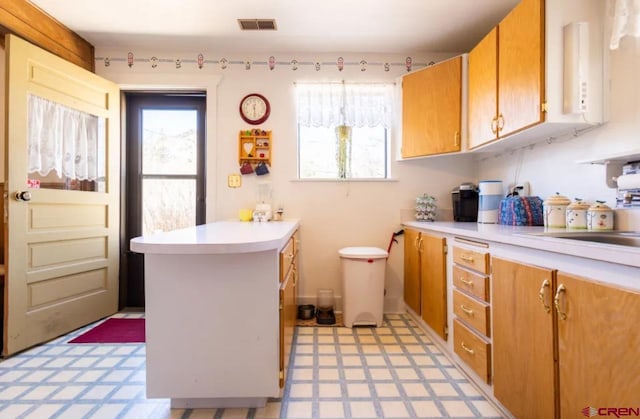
<point x="432" y="109"/>
<point x="506" y="76"/>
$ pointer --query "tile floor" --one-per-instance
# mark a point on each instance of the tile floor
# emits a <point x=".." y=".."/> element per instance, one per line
<point x="389" y="372"/>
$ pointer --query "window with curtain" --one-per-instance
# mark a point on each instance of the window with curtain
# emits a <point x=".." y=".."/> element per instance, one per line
<point x="626" y="21"/>
<point x="343" y="130"/>
<point x="66" y="147"/>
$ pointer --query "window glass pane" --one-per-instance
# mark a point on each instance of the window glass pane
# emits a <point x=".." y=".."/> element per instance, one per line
<point x="168" y="204"/>
<point x="318" y="148"/>
<point x="85" y="163"/>
<point x="369" y="153"/>
<point x="169" y="142"/>
<point x="318" y="153"/>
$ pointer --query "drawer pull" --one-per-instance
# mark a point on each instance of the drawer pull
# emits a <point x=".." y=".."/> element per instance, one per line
<point x="562" y="314"/>
<point x="467" y="258"/>
<point x="467" y="282"/>
<point x="466" y="310"/>
<point x="543" y="294"/>
<point x="467" y="349"/>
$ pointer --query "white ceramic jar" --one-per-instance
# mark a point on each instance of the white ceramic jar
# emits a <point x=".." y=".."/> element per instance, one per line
<point x="577" y="215"/>
<point x="555" y="211"/>
<point x="600" y="217"/>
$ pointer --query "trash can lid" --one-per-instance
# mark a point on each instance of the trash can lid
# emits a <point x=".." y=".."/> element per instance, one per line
<point x="363" y="253"/>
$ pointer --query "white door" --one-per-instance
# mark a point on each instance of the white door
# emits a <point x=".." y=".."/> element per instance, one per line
<point x="61" y="245"/>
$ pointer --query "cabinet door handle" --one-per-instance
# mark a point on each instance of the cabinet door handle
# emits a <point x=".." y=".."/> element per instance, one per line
<point x="494" y="125"/>
<point x="542" y="294"/>
<point x="466" y="348"/>
<point x="500" y="122"/>
<point x="420" y="245"/>
<point x="561" y="290"/>
<point x="456" y="139"/>
<point x="466" y="309"/>
<point x="467" y="258"/>
<point x="467" y="282"/>
<point x="416" y="244"/>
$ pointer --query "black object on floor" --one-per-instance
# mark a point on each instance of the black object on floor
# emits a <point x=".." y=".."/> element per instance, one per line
<point x="325" y="316"/>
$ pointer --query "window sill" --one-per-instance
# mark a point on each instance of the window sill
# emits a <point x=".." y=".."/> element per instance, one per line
<point x="345" y="180"/>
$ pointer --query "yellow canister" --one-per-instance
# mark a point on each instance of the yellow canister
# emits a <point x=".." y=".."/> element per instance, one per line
<point x="245" y="214"/>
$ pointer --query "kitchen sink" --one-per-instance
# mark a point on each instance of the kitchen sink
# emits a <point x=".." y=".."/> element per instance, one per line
<point x="622" y="238"/>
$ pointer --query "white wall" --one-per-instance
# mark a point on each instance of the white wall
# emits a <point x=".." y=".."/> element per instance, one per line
<point x="552" y="167"/>
<point x="333" y="214"/>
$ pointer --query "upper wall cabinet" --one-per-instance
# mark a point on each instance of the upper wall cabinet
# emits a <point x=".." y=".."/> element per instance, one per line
<point x="432" y="109"/>
<point x="506" y="79"/>
<point x="520" y="72"/>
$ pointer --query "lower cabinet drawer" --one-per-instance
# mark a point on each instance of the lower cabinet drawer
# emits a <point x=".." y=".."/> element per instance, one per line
<point x="472" y="349"/>
<point x="472" y="259"/>
<point x="471" y="282"/>
<point x="472" y="311"/>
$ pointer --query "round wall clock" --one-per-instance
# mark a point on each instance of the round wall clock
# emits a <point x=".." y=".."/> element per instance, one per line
<point x="254" y="108"/>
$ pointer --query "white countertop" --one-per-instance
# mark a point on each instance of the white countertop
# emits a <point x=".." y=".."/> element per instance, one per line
<point x="218" y="238"/>
<point x="517" y="236"/>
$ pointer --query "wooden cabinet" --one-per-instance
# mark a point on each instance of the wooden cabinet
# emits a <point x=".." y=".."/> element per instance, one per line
<point x="254" y="146"/>
<point x="288" y="303"/>
<point x="412" y="288"/>
<point x="433" y="280"/>
<point x="523" y="359"/>
<point x="562" y="342"/>
<point x="472" y="322"/>
<point x="598" y="341"/>
<point x="506" y="76"/>
<point x="425" y="278"/>
<point x="432" y="109"/>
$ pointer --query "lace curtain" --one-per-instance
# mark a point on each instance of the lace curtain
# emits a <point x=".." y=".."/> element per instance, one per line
<point x="62" y="139"/>
<point x="356" y="105"/>
<point x="626" y="21"/>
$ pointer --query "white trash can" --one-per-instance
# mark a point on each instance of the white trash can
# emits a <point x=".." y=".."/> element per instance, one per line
<point x="363" y="272"/>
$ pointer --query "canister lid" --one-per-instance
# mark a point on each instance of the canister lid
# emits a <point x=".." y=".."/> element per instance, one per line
<point x="363" y="253"/>
<point x="578" y="204"/>
<point x="557" y="199"/>
<point x="599" y="206"/>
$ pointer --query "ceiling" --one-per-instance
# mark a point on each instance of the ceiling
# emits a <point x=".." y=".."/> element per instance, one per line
<point x="379" y="26"/>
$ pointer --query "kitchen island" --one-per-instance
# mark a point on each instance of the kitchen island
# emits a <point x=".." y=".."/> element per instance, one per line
<point x="213" y="313"/>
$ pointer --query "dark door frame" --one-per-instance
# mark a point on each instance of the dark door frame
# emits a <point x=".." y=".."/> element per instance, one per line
<point x="132" y="264"/>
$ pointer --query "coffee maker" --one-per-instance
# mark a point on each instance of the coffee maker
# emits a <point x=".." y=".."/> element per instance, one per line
<point x="465" y="202"/>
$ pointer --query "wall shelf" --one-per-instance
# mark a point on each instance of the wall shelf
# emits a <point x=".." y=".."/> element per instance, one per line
<point x="613" y="164"/>
<point x="254" y="146"/>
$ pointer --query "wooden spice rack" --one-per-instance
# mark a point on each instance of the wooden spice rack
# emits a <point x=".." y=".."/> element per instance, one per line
<point x="254" y="146"/>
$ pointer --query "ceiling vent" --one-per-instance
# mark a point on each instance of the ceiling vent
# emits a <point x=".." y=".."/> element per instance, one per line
<point x="257" y="24"/>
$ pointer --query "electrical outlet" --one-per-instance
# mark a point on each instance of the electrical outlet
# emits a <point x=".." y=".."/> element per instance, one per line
<point x="234" y="181"/>
<point x="523" y="188"/>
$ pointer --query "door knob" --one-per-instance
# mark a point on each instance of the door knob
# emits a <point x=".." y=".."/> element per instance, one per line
<point x="23" y="196"/>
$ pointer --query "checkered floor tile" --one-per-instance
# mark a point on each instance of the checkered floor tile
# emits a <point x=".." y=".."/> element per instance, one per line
<point x="393" y="371"/>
